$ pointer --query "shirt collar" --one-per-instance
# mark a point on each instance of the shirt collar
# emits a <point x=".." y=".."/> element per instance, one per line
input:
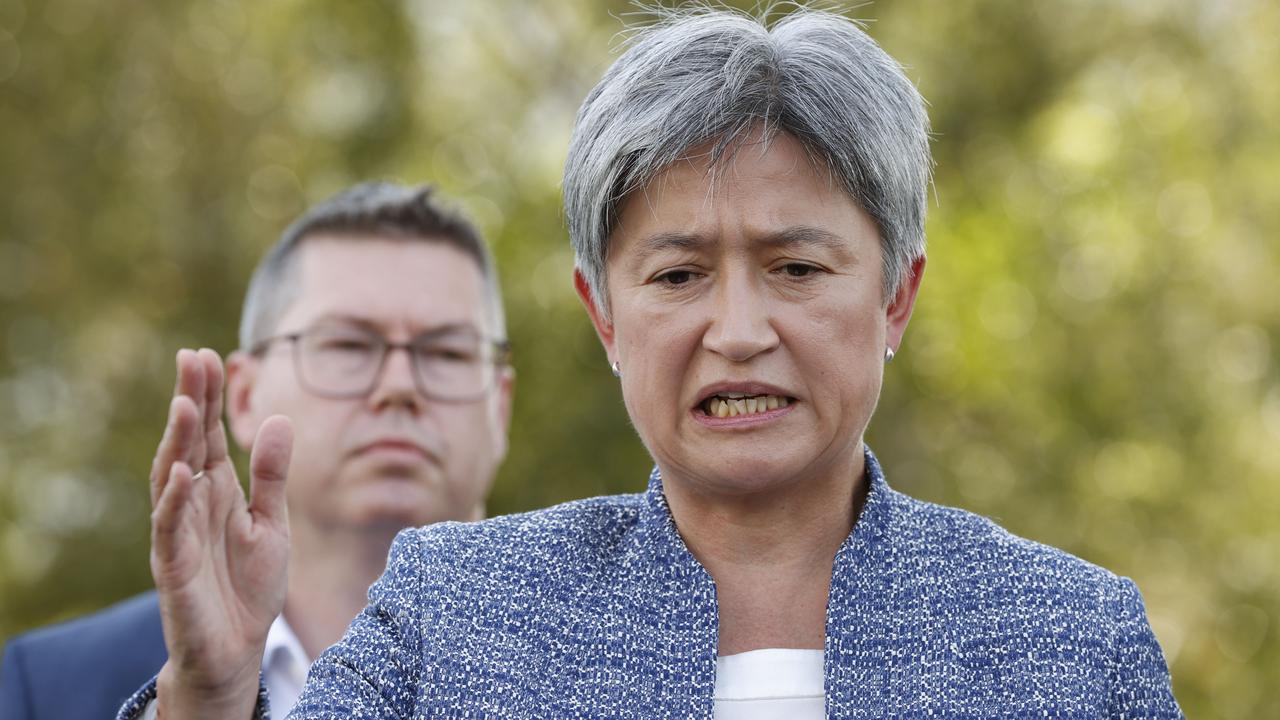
<point x="284" y="651"/>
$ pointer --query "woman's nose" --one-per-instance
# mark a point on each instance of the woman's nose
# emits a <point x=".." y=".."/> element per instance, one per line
<point x="742" y="321"/>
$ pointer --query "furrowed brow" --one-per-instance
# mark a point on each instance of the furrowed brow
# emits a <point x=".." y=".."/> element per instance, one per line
<point x="804" y="235"/>
<point x="662" y="242"/>
<point x="668" y="240"/>
<point x="792" y="237"/>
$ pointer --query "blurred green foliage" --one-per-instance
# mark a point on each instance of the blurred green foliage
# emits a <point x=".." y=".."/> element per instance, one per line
<point x="1093" y="361"/>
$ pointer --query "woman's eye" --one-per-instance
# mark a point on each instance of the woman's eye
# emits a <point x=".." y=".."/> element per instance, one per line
<point x="799" y="269"/>
<point x="676" y="277"/>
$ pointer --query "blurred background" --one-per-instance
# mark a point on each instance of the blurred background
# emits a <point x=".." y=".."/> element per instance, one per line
<point x="1094" y="360"/>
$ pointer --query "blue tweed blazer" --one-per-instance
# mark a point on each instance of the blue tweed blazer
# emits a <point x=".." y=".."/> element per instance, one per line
<point x="596" y="609"/>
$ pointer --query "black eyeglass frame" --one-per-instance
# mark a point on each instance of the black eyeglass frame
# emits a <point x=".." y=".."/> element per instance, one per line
<point x="501" y="359"/>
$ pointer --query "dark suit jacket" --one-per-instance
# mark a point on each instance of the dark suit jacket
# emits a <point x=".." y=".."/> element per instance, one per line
<point x="83" y="669"/>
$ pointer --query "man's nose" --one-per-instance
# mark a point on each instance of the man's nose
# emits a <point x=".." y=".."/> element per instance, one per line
<point x="742" y="318"/>
<point x="395" y="384"/>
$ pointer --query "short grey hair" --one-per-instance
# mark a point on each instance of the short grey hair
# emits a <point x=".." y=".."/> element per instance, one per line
<point x="367" y="210"/>
<point x="711" y="74"/>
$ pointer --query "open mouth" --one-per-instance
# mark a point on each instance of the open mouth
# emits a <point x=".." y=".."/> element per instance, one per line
<point x="724" y="405"/>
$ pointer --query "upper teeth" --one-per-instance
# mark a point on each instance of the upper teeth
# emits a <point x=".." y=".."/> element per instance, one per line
<point x="734" y="404"/>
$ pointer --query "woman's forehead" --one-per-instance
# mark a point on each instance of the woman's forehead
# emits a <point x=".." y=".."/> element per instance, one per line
<point x="772" y="194"/>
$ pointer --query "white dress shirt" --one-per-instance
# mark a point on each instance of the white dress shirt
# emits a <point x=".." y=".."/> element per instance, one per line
<point x="284" y="669"/>
<point x="770" y="684"/>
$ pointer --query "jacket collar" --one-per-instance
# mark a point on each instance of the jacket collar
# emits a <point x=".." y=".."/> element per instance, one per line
<point x="673" y="585"/>
<point x="669" y="558"/>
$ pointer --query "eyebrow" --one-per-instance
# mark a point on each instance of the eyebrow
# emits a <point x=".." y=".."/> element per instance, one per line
<point x="797" y="235"/>
<point x="670" y="241"/>
<point x="801" y="235"/>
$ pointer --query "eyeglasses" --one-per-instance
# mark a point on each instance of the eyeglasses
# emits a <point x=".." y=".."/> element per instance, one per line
<point x="452" y="364"/>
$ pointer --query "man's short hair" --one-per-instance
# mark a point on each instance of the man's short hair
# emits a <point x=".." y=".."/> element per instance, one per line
<point x="365" y="211"/>
<point x="708" y="75"/>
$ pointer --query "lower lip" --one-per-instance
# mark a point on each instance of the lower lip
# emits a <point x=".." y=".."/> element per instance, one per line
<point x="396" y="453"/>
<point x="748" y="420"/>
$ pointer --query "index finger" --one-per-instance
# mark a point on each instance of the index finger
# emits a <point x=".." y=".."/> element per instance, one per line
<point x="181" y="433"/>
<point x="177" y="442"/>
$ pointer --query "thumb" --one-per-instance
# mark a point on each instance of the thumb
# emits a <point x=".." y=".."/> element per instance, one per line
<point x="268" y="468"/>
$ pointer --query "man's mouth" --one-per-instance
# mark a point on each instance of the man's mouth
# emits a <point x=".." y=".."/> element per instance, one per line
<point x="393" y="446"/>
<point x="733" y="404"/>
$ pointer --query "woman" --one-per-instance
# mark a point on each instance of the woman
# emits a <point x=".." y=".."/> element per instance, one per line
<point x="747" y="208"/>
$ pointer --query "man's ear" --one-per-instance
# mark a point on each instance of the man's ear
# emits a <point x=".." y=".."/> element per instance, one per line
<point x="506" y="397"/>
<point x="242" y="372"/>
<point x="898" y="313"/>
<point x="604" y="327"/>
<point x="500" y="415"/>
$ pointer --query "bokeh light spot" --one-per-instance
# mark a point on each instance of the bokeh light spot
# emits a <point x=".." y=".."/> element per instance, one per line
<point x="1240" y="632"/>
<point x="1007" y="310"/>
<point x="1242" y="353"/>
<point x="275" y="192"/>
<point x="1080" y="135"/>
<point x="1185" y="209"/>
<point x="339" y="102"/>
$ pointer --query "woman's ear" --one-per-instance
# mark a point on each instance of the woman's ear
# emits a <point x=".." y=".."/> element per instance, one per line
<point x="242" y="372"/>
<point x="604" y="326"/>
<point x="898" y="313"/>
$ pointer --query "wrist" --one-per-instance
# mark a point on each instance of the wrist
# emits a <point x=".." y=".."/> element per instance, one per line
<point x="180" y="696"/>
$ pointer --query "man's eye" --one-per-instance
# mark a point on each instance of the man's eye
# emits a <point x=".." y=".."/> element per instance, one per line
<point x="347" y="345"/>
<point x="446" y="354"/>
<point x="676" y="277"/>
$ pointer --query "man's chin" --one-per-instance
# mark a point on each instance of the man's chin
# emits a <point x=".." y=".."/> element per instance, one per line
<point x="392" y="499"/>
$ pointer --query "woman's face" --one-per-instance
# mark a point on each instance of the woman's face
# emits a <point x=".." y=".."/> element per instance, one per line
<point x="748" y="319"/>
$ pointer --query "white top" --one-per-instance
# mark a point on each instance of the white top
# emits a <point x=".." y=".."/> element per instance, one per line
<point x="770" y="684"/>
<point x="284" y="669"/>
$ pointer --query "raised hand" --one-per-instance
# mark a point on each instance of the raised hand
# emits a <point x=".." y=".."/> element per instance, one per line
<point x="219" y="560"/>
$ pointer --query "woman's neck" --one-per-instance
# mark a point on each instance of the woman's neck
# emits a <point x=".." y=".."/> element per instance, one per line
<point x="771" y="552"/>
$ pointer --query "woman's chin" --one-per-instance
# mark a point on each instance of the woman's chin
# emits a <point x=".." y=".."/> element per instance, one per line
<point x="743" y="476"/>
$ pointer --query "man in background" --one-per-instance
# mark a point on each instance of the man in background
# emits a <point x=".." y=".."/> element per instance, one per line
<point x="375" y="328"/>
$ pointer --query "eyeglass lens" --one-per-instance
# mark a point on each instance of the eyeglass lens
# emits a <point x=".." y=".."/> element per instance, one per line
<point x="347" y="361"/>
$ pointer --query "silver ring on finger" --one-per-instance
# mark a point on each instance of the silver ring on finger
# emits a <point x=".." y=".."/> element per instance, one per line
<point x="197" y="476"/>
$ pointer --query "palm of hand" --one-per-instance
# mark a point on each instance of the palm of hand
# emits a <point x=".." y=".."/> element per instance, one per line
<point x="219" y="561"/>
